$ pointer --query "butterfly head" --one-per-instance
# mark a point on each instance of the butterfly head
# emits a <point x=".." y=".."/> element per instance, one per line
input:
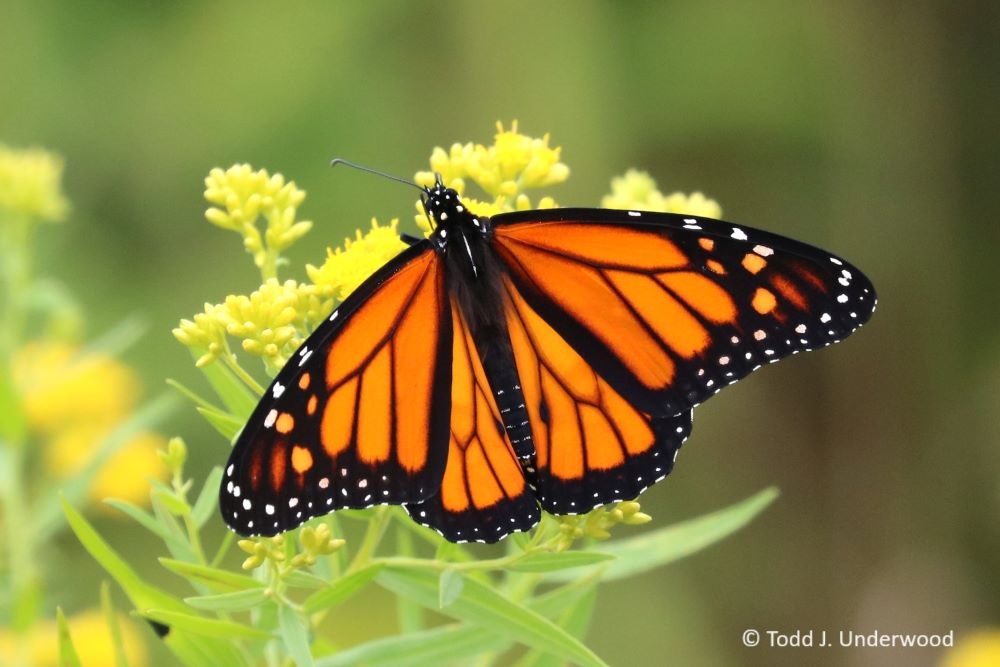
<point x="443" y="206"/>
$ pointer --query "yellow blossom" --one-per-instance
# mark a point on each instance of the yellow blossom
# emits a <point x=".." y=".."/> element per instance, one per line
<point x="514" y="163"/>
<point x="91" y="638"/>
<point x="73" y="401"/>
<point x="125" y="474"/>
<point x="270" y="322"/>
<point x="980" y="648"/>
<point x="637" y="190"/>
<point x="241" y="196"/>
<point x="206" y="332"/>
<point x="346" y="268"/>
<point x="30" y="184"/>
<point x="60" y="388"/>
<point x="597" y="523"/>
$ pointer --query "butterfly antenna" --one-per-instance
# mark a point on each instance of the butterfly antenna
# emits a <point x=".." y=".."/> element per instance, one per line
<point x="334" y="162"/>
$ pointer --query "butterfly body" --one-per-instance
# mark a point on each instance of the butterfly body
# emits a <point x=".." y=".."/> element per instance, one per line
<point x="539" y="359"/>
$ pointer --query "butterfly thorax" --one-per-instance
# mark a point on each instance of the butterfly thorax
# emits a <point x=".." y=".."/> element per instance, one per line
<point x="474" y="275"/>
<point x="473" y="271"/>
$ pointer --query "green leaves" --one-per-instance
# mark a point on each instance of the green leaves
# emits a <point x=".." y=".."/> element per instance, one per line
<point x="482" y="606"/>
<point x="342" y="589"/>
<point x="654" y="549"/>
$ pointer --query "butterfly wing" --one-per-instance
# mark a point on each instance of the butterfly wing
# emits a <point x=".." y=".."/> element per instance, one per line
<point x="669" y="308"/>
<point x="359" y="415"/>
<point x="592" y="447"/>
<point x="484" y="495"/>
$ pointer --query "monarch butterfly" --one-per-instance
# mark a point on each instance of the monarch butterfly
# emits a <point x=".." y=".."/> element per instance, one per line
<point x="537" y="359"/>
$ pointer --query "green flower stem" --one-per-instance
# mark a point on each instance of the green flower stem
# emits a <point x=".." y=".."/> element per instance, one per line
<point x="230" y="360"/>
<point x="269" y="267"/>
<point x="227" y="542"/>
<point x="373" y="535"/>
<point x="23" y="585"/>
<point x="17" y="274"/>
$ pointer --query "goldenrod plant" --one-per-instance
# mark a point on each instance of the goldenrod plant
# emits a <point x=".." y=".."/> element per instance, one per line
<point x="70" y="423"/>
<point x="533" y="594"/>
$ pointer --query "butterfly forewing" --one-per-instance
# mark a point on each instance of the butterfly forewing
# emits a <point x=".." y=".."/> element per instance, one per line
<point x="667" y="308"/>
<point x="359" y="415"/>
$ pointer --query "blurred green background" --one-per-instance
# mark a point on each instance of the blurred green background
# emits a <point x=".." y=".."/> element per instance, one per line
<point x="866" y="128"/>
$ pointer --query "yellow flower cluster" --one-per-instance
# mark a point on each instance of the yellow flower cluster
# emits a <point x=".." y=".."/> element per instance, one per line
<point x="30" y="185"/>
<point x="73" y="401"/>
<point x="514" y="163"/>
<point x="597" y="524"/>
<point x="91" y="638"/>
<point x="346" y="268"/>
<point x="980" y="648"/>
<point x="637" y="190"/>
<point x="241" y="196"/>
<point x="314" y="541"/>
<point x="270" y="323"/>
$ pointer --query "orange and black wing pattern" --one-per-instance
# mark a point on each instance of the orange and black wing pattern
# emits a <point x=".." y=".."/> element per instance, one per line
<point x="484" y="495"/>
<point x="360" y="415"/>
<point x="592" y="447"/>
<point x="668" y="309"/>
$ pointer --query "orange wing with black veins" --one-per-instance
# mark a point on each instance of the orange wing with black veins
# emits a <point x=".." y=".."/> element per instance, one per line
<point x="359" y="415"/>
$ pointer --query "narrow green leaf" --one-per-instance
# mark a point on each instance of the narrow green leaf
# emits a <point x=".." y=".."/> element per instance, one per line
<point x="295" y="635"/>
<point x="206" y="627"/>
<point x="483" y="606"/>
<point x="208" y="499"/>
<point x="450" y="585"/>
<point x="453" y="644"/>
<point x="192" y="395"/>
<point x="409" y="614"/>
<point x="341" y="589"/>
<point x="214" y="578"/>
<point x="575" y="620"/>
<point x="303" y="579"/>
<point x="239" y="400"/>
<point x="666" y="545"/>
<point x="554" y="602"/>
<point x="139" y="515"/>
<point x="235" y="601"/>
<point x="114" y="629"/>
<point x="227" y="425"/>
<point x="545" y="561"/>
<point x="67" y="652"/>
<point x="173" y="504"/>
<point x="179" y="545"/>
<point x="191" y="650"/>
<point x="117" y="339"/>
<point x="445" y="645"/>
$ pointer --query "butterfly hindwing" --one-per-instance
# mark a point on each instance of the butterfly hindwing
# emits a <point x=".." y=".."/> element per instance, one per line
<point x="670" y="308"/>
<point x="591" y="446"/>
<point x="359" y="415"/>
<point x="484" y="495"/>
